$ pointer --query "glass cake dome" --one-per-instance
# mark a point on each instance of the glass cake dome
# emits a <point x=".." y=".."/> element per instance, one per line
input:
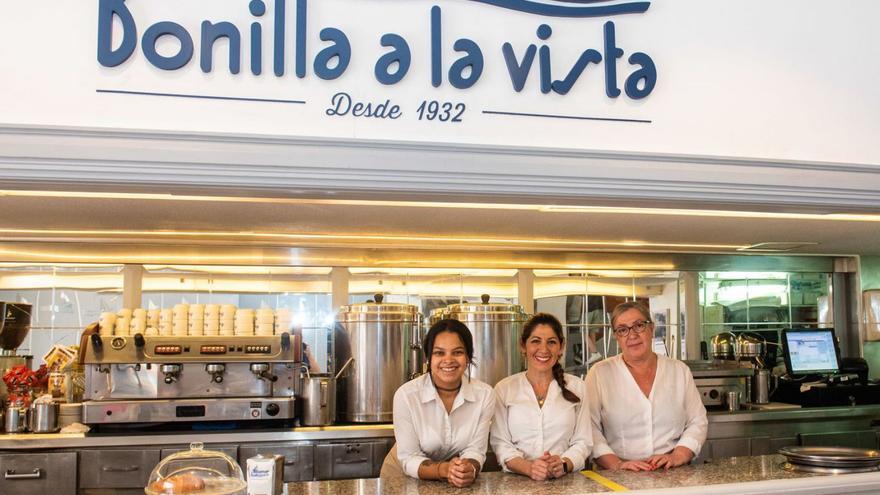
<point x="197" y="472"/>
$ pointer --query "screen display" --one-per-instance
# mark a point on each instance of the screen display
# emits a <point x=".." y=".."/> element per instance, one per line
<point x="811" y="351"/>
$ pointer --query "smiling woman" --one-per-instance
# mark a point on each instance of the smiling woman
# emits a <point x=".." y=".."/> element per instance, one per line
<point x="442" y="400"/>
<point x="541" y="427"/>
<point x="645" y="409"/>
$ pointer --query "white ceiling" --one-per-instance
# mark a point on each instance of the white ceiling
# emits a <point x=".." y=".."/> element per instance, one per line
<point x="44" y="218"/>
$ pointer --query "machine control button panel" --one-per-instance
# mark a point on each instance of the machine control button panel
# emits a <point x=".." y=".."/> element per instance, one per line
<point x="258" y="349"/>
<point x="167" y="349"/>
<point x="213" y="349"/>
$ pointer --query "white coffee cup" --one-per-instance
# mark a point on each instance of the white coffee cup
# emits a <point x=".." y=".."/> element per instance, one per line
<point x="180" y="311"/>
<point x="137" y="325"/>
<point x="227" y="326"/>
<point x="153" y="318"/>
<point x="107" y="323"/>
<point x="123" y="327"/>
<point x="196" y="327"/>
<point x="227" y="311"/>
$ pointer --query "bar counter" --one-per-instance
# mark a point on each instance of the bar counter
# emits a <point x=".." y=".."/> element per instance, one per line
<point x="721" y="424"/>
<point x="736" y="475"/>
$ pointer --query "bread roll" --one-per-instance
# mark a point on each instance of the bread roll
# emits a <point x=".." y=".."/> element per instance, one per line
<point x="178" y="484"/>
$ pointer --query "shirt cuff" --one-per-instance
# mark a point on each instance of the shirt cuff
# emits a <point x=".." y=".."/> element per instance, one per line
<point x="506" y="456"/>
<point x="690" y="443"/>
<point x="411" y="465"/>
<point x="576" y="457"/>
<point x="601" y="449"/>
<point x="475" y="455"/>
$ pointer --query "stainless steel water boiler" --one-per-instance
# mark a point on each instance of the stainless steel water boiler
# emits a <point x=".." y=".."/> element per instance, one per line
<point x="380" y="337"/>
<point x="496" y="329"/>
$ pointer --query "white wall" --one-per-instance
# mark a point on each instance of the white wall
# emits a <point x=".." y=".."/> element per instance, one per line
<point x="787" y="80"/>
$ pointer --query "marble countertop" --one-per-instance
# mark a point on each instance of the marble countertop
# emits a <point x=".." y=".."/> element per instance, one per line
<point x="761" y="474"/>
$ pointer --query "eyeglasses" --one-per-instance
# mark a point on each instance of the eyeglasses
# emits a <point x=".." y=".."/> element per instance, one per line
<point x="638" y="327"/>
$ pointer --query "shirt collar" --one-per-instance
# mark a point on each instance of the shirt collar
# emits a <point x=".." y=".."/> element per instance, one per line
<point x="428" y="392"/>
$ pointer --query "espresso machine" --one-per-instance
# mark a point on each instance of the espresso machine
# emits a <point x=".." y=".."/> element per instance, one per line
<point x="14" y="326"/>
<point x="153" y="379"/>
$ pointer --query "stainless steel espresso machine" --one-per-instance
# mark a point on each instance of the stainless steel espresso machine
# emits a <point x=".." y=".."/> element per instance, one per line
<point x="153" y="379"/>
<point x="15" y="323"/>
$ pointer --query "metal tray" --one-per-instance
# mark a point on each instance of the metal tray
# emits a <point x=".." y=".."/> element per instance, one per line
<point x="832" y="457"/>
<point x="828" y="470"/>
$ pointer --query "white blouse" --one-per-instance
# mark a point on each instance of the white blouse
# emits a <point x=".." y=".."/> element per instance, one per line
<point x="635" y="427"/>
<point x="425" y="431"/>
<point x="523" y="429"/>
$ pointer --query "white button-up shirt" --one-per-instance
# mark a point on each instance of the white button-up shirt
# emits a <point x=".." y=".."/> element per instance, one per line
<point x="635" y="427"/>
<point x="425" y="431"/>
<point x="523" y="429"/>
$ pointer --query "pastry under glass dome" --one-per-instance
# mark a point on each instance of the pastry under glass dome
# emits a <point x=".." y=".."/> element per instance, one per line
<point x="197" y="472"/>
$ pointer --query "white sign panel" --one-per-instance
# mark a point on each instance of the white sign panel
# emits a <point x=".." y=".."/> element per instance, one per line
<point x="779" y="80"/>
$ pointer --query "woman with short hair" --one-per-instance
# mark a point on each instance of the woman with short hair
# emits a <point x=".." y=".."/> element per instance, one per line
<point x="645" y="409"/>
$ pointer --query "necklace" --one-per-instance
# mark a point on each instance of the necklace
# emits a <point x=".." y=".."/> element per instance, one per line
<point x="541" y="397"/>
<point x="453" y="389"/>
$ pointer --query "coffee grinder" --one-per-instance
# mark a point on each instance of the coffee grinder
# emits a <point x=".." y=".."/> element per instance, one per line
<point x="15" y="322"/>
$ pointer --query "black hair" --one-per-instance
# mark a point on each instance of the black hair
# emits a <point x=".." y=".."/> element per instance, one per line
<point x="558" y="372"/>
<point x="451" y="326"/>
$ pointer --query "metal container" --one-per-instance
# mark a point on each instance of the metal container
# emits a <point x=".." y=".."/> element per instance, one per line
<point x="380" y="337"/>
<point x="43" y="417"/>
<point x="733" y="401"/>
<point x="496" y="329"/>
<point x="16" y="419"/>
<point x="750" y="346"/>
<point x="723" y="346"/>
<point x="761" y="387"/>
<point x="319" y="399"/>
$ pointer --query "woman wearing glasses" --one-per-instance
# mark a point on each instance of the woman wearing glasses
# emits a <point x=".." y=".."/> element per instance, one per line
<point x="542" y="422"/>
<point x="646" y="411"/>
<point x="442" y="418"/>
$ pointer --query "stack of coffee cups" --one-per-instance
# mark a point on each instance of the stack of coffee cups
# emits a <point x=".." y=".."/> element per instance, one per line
<point x="166" y="322"/>
<point x="265" y="322"/>
<point x="138" y="321"/>
<point x="227" y="320"/>
<point x="180" y="322"/>
<point x="152" y="322"/>
<point x="123" y="322"/>
<point x="196" y="320"/>
<point x="283" y="319"/>
<point x="212" y="319"/>
<point x="106" y="324"/>
<point x="244" y="322"/>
